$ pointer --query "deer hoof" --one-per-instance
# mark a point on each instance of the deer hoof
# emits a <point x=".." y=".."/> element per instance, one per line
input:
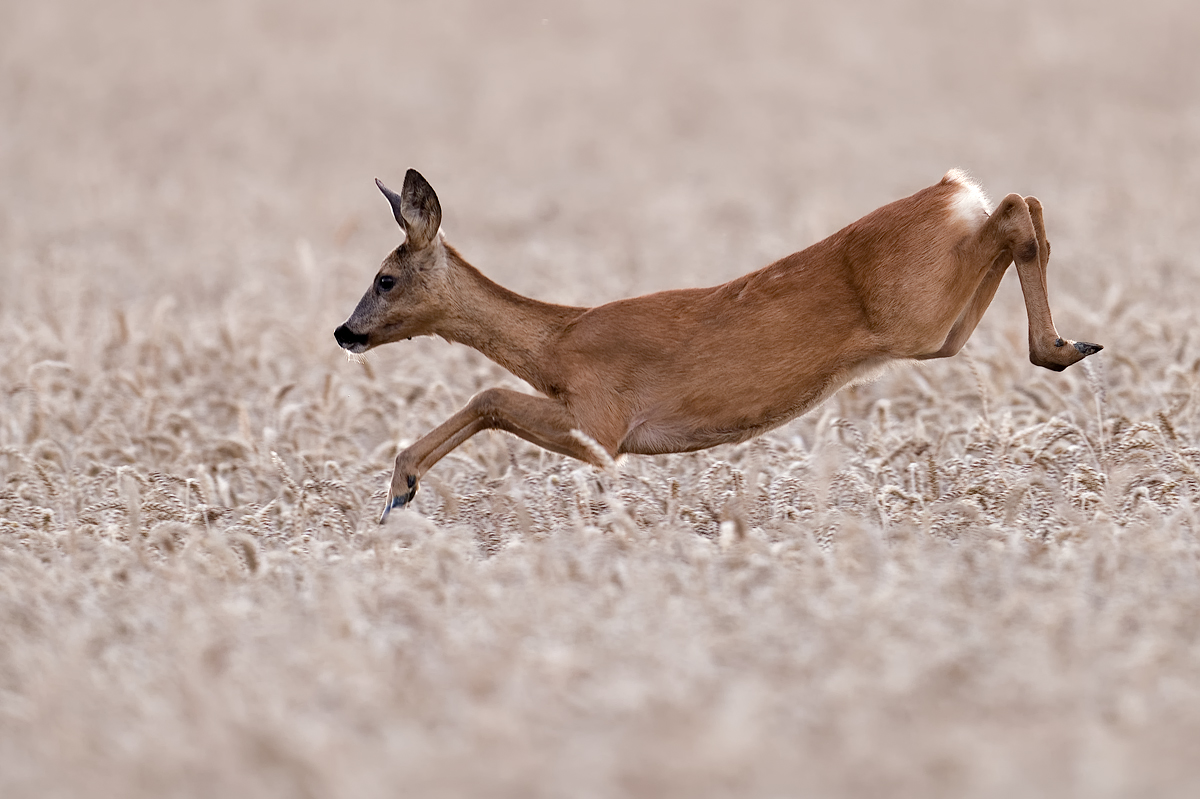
<point x="1061" y="356"/>
<point x="400" y="500"/>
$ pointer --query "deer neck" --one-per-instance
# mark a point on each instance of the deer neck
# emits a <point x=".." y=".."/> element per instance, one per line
<point x="515" y="331"/>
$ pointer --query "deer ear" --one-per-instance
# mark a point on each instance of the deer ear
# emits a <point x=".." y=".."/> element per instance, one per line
<point x="394" y="199"/>
<point x="420" y="210"/>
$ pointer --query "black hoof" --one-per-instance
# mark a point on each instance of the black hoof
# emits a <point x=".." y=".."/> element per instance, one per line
<point x="402" y="500"/>
<point x="1087" y="349"/>
<point x="397" y="502"/>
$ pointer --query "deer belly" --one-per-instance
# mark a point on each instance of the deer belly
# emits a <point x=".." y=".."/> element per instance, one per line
<point x="734" y="413"/>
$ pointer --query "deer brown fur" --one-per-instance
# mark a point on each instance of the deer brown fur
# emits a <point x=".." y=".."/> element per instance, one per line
<point x="688" y="369"/>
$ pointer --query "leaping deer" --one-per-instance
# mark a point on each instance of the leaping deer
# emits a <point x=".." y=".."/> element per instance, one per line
<point x="688" y="369"/>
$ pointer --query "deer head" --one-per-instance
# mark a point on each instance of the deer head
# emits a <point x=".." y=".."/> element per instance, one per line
<point x="406" y="297"/>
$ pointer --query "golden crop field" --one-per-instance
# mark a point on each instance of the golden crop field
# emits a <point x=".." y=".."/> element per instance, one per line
<point x="970" y="578"/>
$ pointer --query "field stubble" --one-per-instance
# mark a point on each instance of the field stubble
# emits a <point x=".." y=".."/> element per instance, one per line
<point x="969" y="578"/>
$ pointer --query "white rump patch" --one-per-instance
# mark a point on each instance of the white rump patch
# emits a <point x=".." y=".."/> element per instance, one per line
<point x="969" y="200"/>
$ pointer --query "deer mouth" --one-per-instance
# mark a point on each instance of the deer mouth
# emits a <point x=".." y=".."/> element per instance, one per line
<point x="347" y="339"/>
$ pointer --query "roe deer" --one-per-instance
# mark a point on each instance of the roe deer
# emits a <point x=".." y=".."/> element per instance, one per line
<point x="688" y="369"/>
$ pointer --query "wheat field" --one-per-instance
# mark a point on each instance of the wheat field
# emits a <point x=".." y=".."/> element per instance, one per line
<point x="970" y="578"/>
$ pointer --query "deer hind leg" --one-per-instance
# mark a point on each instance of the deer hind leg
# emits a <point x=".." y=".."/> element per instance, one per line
<point x="542" y="421"/>
<point x="1018" y="228"/>
<point x="967" y="321"/>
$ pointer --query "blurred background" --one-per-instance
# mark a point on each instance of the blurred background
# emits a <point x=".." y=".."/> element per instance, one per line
<point x="979" y="580"/>
<point x="648" y="144"/>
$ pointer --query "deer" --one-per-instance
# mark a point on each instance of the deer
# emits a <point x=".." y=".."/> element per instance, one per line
<point x="688" y="369"/>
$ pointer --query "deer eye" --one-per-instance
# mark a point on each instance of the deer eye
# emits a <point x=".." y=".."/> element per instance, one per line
<point x="385" y="282"/>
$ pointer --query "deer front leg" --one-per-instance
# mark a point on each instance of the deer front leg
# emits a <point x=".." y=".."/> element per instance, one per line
<point x="542" y="421"/>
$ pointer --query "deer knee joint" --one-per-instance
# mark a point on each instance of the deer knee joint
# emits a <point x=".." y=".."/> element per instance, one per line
<point x="487" y="403"/>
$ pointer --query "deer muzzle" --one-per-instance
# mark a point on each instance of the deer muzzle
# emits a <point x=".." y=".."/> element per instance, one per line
<point x="347" y="339"/>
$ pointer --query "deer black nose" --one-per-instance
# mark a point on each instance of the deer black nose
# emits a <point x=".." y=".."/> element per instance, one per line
<point x="347" y="338"/>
